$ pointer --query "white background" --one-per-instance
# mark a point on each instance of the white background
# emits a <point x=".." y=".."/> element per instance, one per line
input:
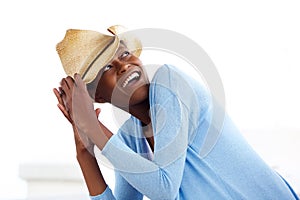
<point x="255" y="46"/>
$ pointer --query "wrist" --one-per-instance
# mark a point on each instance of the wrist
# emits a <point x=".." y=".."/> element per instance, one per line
<point x="84" y="156"/>
<point x="84" y="149"/>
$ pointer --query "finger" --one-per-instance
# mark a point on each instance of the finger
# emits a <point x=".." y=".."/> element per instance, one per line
<point x="67" y="84"/>
<point x="63" y="109"/>
<point x="65" y="112"/>
<point x="61" y="91"/>
<point x="63" y="83"/>
<point x="98" y="110"/>
<point x="78" y="81"/>
<point x="69" y="81"/>
<point x="58" y="95"/>
<point x="64" y="87"/>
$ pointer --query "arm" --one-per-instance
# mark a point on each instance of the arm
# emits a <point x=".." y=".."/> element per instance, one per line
<point x="77" y="105"/>
<point x="125" y="191"/>
<point x="85" y="156"/>
<point x="157" y="179"/>
<point x="91" y="172"/>
<point x="161" y="177"/>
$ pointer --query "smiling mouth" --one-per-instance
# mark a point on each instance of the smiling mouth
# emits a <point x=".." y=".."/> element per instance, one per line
<point x="135" y="76"/>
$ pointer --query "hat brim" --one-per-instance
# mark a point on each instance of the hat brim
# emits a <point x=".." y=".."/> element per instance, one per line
<point x="98" y="59"/>
<point x="102" y="56"/>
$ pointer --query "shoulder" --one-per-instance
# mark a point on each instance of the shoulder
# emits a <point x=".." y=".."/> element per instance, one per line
<point x="170" y="80"/>
<point x="162" y="85"/>
<point x="179" y="81"/>
<point x="165" y="73"/>
<point x="167" y="77"/>
<point x="174" y="77"/>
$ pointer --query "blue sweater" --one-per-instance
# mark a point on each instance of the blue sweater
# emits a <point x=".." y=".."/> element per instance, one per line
<point x="182" y="115"/>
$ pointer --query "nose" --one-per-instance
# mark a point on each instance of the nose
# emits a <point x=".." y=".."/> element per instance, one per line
<point x="122" y="67"/>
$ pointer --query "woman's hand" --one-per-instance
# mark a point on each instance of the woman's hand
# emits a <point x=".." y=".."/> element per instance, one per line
<point x="84" y="147"/>
<point x="79" y="109"/>
<point x="83" y="143"/>
<point x="79" y="104"/>
<point x="61" y="104"/>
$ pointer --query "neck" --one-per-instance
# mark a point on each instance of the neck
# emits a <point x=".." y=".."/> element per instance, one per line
<point x="141" y="111"/>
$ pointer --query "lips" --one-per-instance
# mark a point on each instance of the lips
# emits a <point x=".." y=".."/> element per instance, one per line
<point x="134" y="76"/>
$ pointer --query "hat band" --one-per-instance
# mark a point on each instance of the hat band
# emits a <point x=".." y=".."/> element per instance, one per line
<point x="100" y="53"/>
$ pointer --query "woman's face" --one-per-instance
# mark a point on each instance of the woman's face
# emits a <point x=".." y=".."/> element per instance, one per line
<point x="123" y="81"/>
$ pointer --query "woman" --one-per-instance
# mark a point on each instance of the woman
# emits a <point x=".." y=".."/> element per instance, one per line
<point x="156" y="152"/>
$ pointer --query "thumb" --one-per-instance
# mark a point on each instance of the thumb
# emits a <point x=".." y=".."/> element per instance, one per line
<point x="78" y="81"/>
<point x="97" y="111"/>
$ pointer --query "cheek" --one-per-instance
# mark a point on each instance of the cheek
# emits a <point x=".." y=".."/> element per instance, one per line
<point x="104" y="91"/>
<point x="135" y="60"/>
<point x="139" y="63"/>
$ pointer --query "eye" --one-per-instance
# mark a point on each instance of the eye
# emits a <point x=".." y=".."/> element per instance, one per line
<point x="125" y="54"/>
<point x="107" y="67"/>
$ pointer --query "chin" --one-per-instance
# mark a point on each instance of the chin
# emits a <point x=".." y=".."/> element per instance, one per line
<point x="140" y="95"/>
<point x="126" y="100"/>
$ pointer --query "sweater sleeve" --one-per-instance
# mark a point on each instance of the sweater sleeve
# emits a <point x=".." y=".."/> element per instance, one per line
<point x="124" y="191"/>
<point x="106" y="195"/>
<point x="161" y="177"/>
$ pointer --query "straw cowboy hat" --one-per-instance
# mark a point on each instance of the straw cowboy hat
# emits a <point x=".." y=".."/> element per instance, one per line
<point x="86" y="52"/>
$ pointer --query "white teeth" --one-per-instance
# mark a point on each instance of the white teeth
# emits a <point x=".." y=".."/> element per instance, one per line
<point x="129" y="78"/>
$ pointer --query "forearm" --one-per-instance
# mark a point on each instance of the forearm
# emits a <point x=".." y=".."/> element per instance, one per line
<point x="91" y="173"/>
<point x="159" y="178"/>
